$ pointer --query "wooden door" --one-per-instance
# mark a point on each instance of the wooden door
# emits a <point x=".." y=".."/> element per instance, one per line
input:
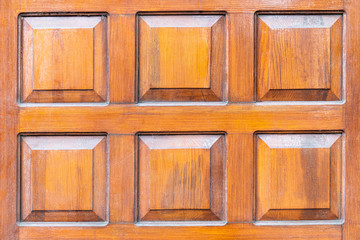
<point x="154" y="119"/>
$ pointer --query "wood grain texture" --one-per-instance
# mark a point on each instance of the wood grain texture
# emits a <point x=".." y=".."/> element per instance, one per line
<point x="230" y="231"/>
<point x="129" y="119"/>
<point x="298" y="176"/>
<point x="8" y="116"/>
<point x="351" y="227"/>
<point x="186" y="174"/>
<point x="63" y="59"/>
<point x="59" y="184"/>
<point x="122" y="58"/>
<point x="291" y="191"/>
<point x="181" y="51"/>
<point x="240" y="185"/>
<point x="241" y="52"/>
<point x="130" y="6"/>
<point x="63" y="178"/>
<point x="181" y="178"/>
<point x="299" y="57"/>
<point x="55" y="68"/>
<point x="181" y="57"/>
<point x="240" y="121"/>
<point x="122" y="178"/>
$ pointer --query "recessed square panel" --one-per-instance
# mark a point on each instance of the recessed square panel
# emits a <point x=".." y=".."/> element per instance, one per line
<point x="63" y="178"/>
<point x="181" y="178"/>
<point x="299" y="57"/>
<point x="63" y="59"/>
<point x="298" y="176"/>
<point x="181" y="57"/>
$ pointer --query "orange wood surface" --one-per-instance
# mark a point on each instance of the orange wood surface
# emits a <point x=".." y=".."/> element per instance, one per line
<point x="181" y="177"/>
<point x="298" y="176"/>
<point x="194" y="42"/>
<point x="230" y="231"/>
<point x="351" y="228"/>
<point x="299" y="57"/>
<point x="130" y="119"/>
<point x="63" y="59"/>
<point x="62" y="176"/>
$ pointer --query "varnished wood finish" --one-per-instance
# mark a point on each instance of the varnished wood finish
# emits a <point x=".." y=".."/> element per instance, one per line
<point x="63" y="59"/>
<point x="130" y="119"/>
<point x="63" y="178"/>
<point x="240" y="190"/>
<point x="122" y="58"/>
<point x="351" y="227"/>
<point x="181" y="57"/>
<point x="241" y="50"/>
<point x="230" y="231"/>
<point x="298" y="176"/>
<point x="181" y="178"/>
<point x="121" y="179"/>
<point x="50" y="95"/>
<point x="299" y="57"/>
<point x="8" y="114"/>
<point x="132" y="7"/>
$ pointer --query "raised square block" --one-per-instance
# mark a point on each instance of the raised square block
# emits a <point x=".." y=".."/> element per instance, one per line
<point x="63" y="178"/>
<point x="181" y="57"/>
<point x="298" y="176"/>
<point x="63" y="59"/>
<point x="299" y="57"/>
<point x="181" y="178"/>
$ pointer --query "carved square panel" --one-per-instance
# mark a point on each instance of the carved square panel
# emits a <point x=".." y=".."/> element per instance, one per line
<point x="181" y="178"/>
<point x="181" y="57"/>
<point x="299" y="57"/>
<point x="63" y="178"/>
<point x="63" y="59"/>
<point x="298" y="176"/>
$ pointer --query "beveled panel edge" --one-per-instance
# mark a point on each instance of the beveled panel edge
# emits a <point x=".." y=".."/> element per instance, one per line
<point x="340" y="12"/>
<point x="223" y="99"/>
<point x="21" y="222"/>
<point x="62" y="224"/>
<point x="299" y="223"/>
<point x="180" y="223"/>
<point x="20" y="17"/>
<point x="220" y="222"/>
<point x="341" y="218"/>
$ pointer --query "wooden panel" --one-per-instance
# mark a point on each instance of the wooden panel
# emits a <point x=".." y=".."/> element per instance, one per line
<point x="181" y="57"/>
<point x="241" y="50"/>
<point x="128" y="119"/>
<point x="240" y="197"/>
<point x="230" y="231"/>
<point x="122" y="178"/>
<point x="298" y="176"/>
<point x="122" y="55"/>
<point x="8" y="123"/>
<point x="63" y="59"/>
<point x="63" y="178"/>
<point x="113" y="6"/>
<point x="181" y="177"/>
<point x="299" y="57"/>
<point x="351" y="227"/>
